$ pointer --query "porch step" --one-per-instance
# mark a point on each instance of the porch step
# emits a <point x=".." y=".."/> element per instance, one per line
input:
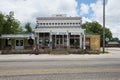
<point x="59" y="51"/>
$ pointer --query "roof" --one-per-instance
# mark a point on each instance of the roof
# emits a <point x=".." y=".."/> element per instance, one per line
<point x="59" y="18"/>
<point x="17" y="35"/>
<point x="89" y="34"/>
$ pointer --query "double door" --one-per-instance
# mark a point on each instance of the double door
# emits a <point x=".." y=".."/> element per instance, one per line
<point x="60" y="41"/>
<point x="19" y="44"/>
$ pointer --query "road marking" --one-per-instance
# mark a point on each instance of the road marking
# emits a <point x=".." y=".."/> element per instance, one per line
<point x="9" y="72"/>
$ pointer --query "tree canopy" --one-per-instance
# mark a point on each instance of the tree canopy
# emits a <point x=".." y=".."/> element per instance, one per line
<point x="115" y="39"/>
<point x="28" y="27"/>
<point x="96" y="28"/>
<point x="9" y="25"/>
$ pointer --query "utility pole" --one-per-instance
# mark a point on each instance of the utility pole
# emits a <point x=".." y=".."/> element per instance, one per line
<point x="103" y="26"/>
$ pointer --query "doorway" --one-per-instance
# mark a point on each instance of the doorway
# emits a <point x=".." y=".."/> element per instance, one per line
<point x="60" y="41"/>
<point x="19" y="44"/>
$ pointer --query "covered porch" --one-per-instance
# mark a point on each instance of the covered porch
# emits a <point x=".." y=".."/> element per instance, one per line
<point x="61" y="38"/>
<point x="15" y="41"/>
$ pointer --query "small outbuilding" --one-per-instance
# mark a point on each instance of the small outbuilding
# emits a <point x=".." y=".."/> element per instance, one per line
<point x="113" y="44"/>
<point x="92" y="42"/>
<point x="16" y="41"/>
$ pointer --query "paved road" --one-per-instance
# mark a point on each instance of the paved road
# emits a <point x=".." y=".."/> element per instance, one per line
<point x="60" y="67"/>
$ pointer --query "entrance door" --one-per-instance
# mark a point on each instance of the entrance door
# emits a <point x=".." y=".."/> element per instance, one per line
<point x="19" y="44"/>
<point x="59" y="41"/>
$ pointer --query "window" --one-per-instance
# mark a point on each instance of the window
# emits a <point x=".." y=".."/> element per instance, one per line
<point x="52" y="23"/>
<point x="49" y="23"/>
<point x="72" y="36"/>
<point x="40" y="23"/>
<point x="40" y="34"/>
<point x="46" y="34"/>
<point x="17" y="42"/>
<point x="8" y="42"/>
<point x="55" y="23"/>
<point x="71" y="41"/>
<point x="57" y="41"/>
<point x="21" y="42"/>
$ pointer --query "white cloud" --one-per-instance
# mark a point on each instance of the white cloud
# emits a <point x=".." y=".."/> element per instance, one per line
<point x="97" y="10"/>
<point x="84" y="19"/>
<point x="112" y="15"/>
<point x="84" y="9"/>
<point x="28" y="10"/>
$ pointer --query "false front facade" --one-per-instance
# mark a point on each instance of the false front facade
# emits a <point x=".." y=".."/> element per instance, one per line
<point x="60" y="31"/>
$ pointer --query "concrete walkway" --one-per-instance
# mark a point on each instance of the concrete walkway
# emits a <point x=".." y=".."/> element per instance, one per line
<point x="113" y="53"/>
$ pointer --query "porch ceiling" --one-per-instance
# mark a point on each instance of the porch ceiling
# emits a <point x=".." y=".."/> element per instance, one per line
<point x="16" y="35"/>
<point x="59" y="30"/>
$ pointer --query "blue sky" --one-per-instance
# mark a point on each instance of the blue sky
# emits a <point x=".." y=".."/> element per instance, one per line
<point x="87" y="2"/>
<point x="89" y="10"/>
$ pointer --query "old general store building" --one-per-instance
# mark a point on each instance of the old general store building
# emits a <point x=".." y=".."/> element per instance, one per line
<point x="60" y="31"/>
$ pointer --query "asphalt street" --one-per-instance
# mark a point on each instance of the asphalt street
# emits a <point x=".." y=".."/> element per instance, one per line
<point x="60" y="67"/>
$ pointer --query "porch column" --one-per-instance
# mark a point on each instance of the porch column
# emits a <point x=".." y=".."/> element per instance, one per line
<point x="84" y="42"/>
<point x="68" y="43"/>
<point x="38" y="38"/>
<point x="51" y="40"/>
<point x="55" y="40"/>
<point x="63" y="40"/>
<point x="80" y="41"/>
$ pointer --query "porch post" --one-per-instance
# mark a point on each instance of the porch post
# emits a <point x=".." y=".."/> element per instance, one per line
<point x="55" y="40"/>
<point x="84" y="42"/>
<point x="80" y="41"/>
<point x="63" y="40"/>
<point x="38" y="38"/>
<point x="68" y="45"/>
<point x="59" y="42"/>
<point x="51" y="40"/>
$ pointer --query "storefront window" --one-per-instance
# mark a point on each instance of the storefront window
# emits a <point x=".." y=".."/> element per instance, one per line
<point x="8" y="42"/>
<point x="21" y="42"/>
<point x="17" y="42"/>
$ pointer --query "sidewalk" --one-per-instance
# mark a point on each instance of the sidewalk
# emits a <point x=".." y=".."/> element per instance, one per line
<point x="114" y="53"/>
<point x="47" y="56"/>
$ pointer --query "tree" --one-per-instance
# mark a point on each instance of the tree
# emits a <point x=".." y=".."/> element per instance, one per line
<point x="115" y="39"/>
<point x="9" y="25"/>
<point x="92" y="27"/>
<point x="96" y="28"/>
<point x="28" y="28"/>
<point x="2" y="21"/>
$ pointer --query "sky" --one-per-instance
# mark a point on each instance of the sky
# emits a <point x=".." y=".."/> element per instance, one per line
<point x="89" y="10"/>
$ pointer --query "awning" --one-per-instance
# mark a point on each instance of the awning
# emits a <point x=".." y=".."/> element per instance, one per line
<point x="59" y="33"/>
<point x="17" y="36"/>
<point x="75" y="33"/>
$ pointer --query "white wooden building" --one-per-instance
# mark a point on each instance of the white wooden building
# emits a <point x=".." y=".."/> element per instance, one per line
<point x="60" y="31"/>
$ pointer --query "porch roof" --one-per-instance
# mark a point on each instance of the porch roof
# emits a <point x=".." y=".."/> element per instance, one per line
<point x="59" y="30"/>
<point x="17" y="35"/>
